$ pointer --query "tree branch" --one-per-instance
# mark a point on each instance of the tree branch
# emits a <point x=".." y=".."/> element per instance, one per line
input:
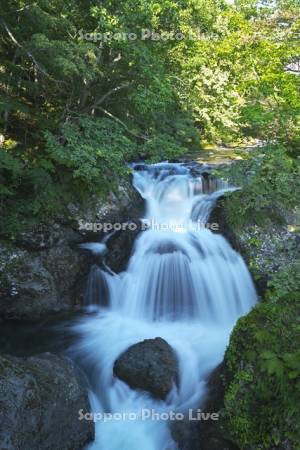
<point x="116" y="119"/>
<point x="109" y="93"/>
<point x="29" y="54"/>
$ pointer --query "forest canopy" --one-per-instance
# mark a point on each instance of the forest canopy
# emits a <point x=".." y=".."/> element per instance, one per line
<point x="86" y="86"/>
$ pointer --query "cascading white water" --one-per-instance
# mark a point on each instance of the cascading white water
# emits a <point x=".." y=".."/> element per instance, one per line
<point x="184" y="284"/>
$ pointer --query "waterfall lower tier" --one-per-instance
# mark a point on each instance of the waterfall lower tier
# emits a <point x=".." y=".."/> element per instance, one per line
<point x="183" y="284"/>
<point x="196" y="275"/>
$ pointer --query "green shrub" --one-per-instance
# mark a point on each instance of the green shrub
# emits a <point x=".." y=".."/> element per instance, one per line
<point x="162" y="147"/>
<point x="270" y="183"/>
<point x="93" y="152"/>
<point x="284" y="282"/>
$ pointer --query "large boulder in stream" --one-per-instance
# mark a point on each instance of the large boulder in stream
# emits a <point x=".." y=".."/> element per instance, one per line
<point x="40" y="399"/>
<point x="150" y="365"/>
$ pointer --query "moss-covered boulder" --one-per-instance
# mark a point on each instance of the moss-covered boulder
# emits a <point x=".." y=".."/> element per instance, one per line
<point x="262" y="377"/>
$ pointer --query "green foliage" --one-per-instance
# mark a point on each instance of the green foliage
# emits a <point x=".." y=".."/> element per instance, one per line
<point x="28" y="194"/>
<point x="11" y="169"/>
<point x="284" y="282"/>
<point x="238" y="81"/>
<point x="90" y="151"/>
<point x="269" y="182"/>
<point x="77" y="108"/>
<point x="263" y="376"/>
<point x="162" y="147"/>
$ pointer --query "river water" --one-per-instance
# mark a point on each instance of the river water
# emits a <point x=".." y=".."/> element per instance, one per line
<point x="184" y="284"/>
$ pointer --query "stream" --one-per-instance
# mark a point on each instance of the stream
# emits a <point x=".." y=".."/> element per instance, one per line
<point x="184" y="284"/>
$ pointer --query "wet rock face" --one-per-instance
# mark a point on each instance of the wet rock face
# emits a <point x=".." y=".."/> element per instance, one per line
<point x="218" y="216"/>
<point x="266" y="249"/>
<point x="35" y="282"/>
<point x="120" y="246"/>
<point x="121" y="206"/>
<point x="39" y="402"/>
<point x="150" y="365"/>
<point x="211" y="433"/>
<point x="42" y="270"/>
<point x="205" y="434"/>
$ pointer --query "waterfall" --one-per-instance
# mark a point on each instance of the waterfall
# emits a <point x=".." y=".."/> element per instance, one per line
<point x="184" y="284"/>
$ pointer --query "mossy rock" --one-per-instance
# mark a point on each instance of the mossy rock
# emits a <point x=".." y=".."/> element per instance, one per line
<point x="262" y="371"/>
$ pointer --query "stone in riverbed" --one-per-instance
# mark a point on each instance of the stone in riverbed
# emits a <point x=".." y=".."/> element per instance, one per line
<point x="39" y="402"/>
<point x="150" y="365"/>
